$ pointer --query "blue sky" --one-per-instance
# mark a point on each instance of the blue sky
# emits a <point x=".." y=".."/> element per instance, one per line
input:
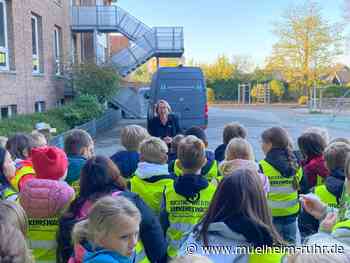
<point x="231" y="27"/>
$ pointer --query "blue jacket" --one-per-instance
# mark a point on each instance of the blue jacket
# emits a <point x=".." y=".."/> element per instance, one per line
<point x="126" y="161"/>
<point x="220" y="152"/>
<point x="101" y="255"/>
<point x="75" y="164"/>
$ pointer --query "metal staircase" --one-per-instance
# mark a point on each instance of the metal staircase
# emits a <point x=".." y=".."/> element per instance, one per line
<point x="146" y="42"/>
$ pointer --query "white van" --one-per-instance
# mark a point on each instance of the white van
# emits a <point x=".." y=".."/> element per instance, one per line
<point x="184" y="89"/>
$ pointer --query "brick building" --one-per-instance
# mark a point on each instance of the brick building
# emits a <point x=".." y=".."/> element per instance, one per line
<point x="35" y="43"/>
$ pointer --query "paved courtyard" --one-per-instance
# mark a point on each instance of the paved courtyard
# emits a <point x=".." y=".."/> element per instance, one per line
<point x="255" y="118"/>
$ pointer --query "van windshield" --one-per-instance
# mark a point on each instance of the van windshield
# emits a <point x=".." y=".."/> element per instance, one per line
<point x="181" y="84"/>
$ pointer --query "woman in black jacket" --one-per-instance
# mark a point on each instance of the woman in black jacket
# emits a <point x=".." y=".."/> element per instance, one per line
<point x="100" y="177"/>
<point x="164" y="125"/>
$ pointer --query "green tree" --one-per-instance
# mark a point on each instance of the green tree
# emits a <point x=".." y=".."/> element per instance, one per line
<point x="307" y="45"/>
<point x="142" y="74"/>
<point x="101" y="81"/>
<point x="277" y="89"/>
<point x="221" y="69"/>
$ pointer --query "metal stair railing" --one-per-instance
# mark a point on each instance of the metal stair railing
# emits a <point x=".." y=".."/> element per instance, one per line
<point x="161" y="40"/>
<point x="107" y="18"/>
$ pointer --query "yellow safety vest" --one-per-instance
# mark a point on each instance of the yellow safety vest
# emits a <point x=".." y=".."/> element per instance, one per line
<point x="326" y="197"/>
<point x="9" y="194"/>
<point x="141" y="256"/>
<point x="343" y="224"/>
<point x="151" y="192"/>
<point x="210" y="175"/>
<point x="20" y="172"/>
<point x="282" y="198"/>
<point x="272" y="257"/>
<point x="76" y="187"/>
<point x="42" y="239"/>
<point x="319" y="180"/>
<point x="183" y="215"/>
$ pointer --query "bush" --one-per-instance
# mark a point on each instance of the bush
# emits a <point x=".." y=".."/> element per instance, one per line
<point x="81" y="110"/>
<point x="101" y="81"/>
<point x="335" y="91"/>
<point x="303" y="100"/>
<point x="210" y="95"/>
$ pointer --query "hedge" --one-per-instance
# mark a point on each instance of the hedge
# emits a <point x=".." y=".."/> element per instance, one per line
<point x="79" y="111"/>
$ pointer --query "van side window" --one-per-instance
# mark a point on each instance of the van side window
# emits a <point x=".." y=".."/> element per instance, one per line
<point x="181" y="84"/>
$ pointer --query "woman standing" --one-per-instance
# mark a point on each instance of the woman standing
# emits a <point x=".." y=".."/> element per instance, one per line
<point x="164" y="125"/>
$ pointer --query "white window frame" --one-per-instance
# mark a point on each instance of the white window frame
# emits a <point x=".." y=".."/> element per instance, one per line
<point x="35" y="56"/>
<point x="5" y="48"/>
<point x="57" y="49"/>
<point x="41" y="106"/>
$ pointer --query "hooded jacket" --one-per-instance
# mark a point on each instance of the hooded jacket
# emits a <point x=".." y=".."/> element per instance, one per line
<point x="221" y="234"/>
<point x="227" y="167"/>
<point x="101" y="255"/>
<point x="126" y="161"/>
<point x="220" y="152"/>
<point x="75" y="164"/>
<point x="335" y="183"/>
<point x="282" y="161"/>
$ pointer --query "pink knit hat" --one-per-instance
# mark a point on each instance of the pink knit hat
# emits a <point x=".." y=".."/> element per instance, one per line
<point x="42" y="198"/>
<point x="49" y="162"/>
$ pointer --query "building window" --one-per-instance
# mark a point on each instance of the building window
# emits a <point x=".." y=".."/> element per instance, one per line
<point x="8" y="111"/>
<point x="35" y="44"/>
<point x="40" y="106"/>
<point x="60" y="103"/>
<point x="4" y="63"/>
<point x="57" y="50"/>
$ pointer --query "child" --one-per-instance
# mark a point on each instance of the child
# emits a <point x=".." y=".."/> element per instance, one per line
<point x="13" y="246"/>
<point x="79" y="147"/>
<point x="39" y="139"/>
<point x="210" y="168"/>
<point x="7" y="173"/>
<point x="152" y="176"/>
<point x="237" y="217"/>
<point x="239" y="154"/>
<point x="44" y="199"/>
<point x="285" y="176"/>
<point x="231" y="130"/>
<point x="172" y="155"/>
<point x="323" y="132"/>
<point x="127" y="160"/>
<point x="187" y="199"/>
<point x="12" y="213"/>
<point x="331" y="191"/>
<point x="311" y="146"/>
<point x="111" y="230"/>
<point x="20" y="146"/>
<point x="101" y="177"/>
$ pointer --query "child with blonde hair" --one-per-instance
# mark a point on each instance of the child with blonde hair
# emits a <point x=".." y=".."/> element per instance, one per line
<point x="13" y="246"/>
<point x="127" y="160"/>
<point x="111" y="231"/>
<point x="152" y="176"/>
<point x="13" y="214"/>
<point x="239" y="154"/>
<point x="39" y="139"/>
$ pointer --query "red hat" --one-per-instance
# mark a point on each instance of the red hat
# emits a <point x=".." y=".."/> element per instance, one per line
<point x="49" y="162"/>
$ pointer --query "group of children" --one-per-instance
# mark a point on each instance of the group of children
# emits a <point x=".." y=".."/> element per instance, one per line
<point x="149" y="203"/>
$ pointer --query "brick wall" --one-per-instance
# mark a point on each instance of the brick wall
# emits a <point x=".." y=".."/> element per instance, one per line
<point x="18" y="85"/>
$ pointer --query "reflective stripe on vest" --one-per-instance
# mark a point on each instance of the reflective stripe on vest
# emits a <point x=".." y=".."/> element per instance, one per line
<point x="183" y="215"/>
<point x="141" y="256"/>
<point x="282" y="198"/>
<point x="210" y="175"/>
<point x="151" y="193"/>
<point x="42" y="239"/>
<point x="9" y="194"/>
<point x="326" y="197"/>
